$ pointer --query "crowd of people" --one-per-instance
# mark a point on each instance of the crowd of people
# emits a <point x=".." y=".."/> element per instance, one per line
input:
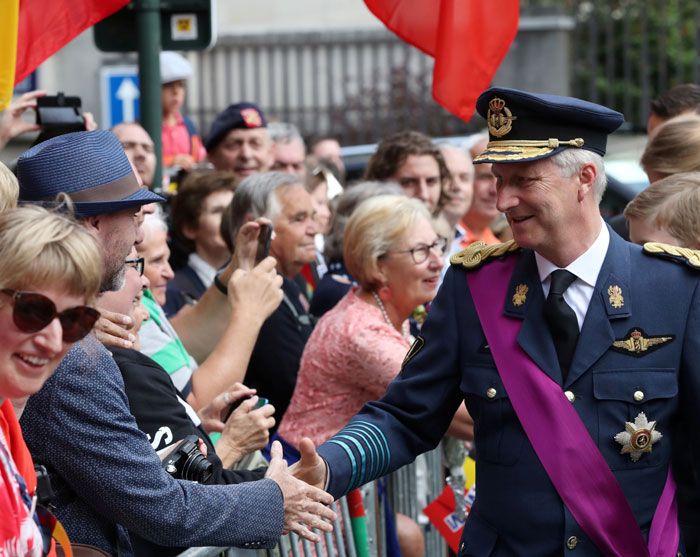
<point x="188" y="369"/>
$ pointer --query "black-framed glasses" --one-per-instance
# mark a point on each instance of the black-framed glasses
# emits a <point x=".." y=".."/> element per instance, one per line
<point x="32" y="312"/>
<point x="136" y="263"/>
<point x="421" y="252"/>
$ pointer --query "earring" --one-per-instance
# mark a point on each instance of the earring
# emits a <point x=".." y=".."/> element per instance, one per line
<point x="384" y="293"/>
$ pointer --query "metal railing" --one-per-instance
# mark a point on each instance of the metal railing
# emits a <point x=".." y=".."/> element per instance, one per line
<point x="410" y="488"/>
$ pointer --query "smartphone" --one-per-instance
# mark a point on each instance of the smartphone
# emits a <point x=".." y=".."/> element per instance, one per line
<point x="58" y="115"/>
<point x="264" y="238"/>
<point x="226" y="414"/>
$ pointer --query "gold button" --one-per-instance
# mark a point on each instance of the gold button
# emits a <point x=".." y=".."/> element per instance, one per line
<point x="491" y="392"/>
<point x="638" y="396"/>
<point x="571" y="396"/>
<point x="572" y="542"/>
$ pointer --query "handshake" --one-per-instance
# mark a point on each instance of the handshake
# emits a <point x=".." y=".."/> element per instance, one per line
<point x="306" y="505"/>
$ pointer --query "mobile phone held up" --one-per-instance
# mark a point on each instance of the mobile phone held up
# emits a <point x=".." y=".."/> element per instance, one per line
<point x="58" y="115"/>
<point x="226" y="414"/>
<point x="264" y="237"/>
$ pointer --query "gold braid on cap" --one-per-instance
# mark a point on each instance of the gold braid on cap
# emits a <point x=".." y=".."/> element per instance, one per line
<point x="478" y="253"/>
<point x="551" y="143"/>
<point x="690" y="257"/>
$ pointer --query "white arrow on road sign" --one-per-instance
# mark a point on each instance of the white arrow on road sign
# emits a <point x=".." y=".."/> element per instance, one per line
<point x="119" y="88"/>
<point x="127" y="93"/>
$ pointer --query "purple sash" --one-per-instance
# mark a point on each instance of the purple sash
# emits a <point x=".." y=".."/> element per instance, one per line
<point x="572" y="460"/>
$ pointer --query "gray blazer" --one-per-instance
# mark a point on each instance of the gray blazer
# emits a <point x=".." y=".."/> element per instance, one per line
<point x="108" y="479"/>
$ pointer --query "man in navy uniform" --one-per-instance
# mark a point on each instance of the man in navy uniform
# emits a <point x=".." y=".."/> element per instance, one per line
<point x="576" y="353"/>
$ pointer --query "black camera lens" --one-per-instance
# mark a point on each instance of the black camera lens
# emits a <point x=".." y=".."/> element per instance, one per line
<point x="186" y="462"/>
<point x="196" y="468"/>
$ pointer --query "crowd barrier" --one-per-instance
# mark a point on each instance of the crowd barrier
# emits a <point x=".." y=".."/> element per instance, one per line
<point x="409" y="489"/>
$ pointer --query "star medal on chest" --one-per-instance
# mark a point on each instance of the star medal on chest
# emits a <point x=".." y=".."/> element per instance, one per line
<point x="638" y="437"/>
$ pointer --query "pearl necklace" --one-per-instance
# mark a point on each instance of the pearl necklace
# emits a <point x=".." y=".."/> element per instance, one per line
<point x="405" y="334"/>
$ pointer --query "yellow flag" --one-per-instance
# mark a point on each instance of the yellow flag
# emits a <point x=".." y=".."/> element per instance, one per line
<point x="8" y="49"/>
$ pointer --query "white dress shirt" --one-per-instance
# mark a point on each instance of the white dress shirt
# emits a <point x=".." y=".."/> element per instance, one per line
<point x="586" y="268"/>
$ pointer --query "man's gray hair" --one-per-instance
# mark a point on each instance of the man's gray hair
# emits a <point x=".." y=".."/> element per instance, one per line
<point x="284" y="132"/>
<point x="570" y="162"/>
<point x="255" y="197"/>
<point x="156" y="218"/>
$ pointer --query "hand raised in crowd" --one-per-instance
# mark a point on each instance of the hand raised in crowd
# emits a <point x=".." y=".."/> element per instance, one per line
<point x="246" y="430"/>
<point x="310" y="468"/>
<point x="305" y="506"/>
<point x="214" y="414"/>
<point x="258" y="292"/>
<point x="11" y="122"/>
<point x="112" y="329"/>
<point x="246" y="243"/>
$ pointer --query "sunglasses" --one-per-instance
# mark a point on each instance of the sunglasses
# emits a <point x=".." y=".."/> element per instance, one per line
<point x="137" y="263"/>
<point x="32" y="312"/>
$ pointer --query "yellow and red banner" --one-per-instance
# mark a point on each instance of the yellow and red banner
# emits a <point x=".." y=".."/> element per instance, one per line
<point x="467" y="38"/>
<point x="33" y="30"/>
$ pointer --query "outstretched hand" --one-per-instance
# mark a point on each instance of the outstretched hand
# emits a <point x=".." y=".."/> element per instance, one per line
<point x="305" y="507"/>
<point x="310" y="468"/>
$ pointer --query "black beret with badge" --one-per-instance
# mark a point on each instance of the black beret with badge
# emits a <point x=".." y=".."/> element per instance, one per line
<point x="243" y="115"/>
<point x="530" y="126"/>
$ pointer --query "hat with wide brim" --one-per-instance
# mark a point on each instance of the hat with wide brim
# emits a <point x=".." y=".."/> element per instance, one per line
<point x="527" y="126"/>
<point x="89" y="167"/>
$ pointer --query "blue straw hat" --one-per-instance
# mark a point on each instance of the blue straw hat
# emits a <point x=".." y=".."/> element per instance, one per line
<point x="90" y="167"/>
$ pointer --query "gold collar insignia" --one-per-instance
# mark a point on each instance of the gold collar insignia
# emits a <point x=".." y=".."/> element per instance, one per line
<point x="638" y="344"/>
<point x="520" y="295"/>
<point x="615" y="296"/>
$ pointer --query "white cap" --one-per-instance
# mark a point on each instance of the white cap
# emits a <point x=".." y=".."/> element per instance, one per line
<point x="174" y="67"/>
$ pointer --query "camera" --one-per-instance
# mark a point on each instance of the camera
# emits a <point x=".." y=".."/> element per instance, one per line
<point x="185" y="461"/>
<point x="57" y="115"/>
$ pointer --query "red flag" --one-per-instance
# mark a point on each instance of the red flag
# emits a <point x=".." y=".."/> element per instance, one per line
<point x="45" y="27"/>
<point x="467" y="38"/>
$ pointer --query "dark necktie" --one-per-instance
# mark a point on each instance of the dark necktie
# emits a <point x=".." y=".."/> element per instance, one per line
<point x="561" y="318"/>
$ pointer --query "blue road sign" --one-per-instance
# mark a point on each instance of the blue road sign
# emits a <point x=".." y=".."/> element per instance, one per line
<point x="120" y="93"/>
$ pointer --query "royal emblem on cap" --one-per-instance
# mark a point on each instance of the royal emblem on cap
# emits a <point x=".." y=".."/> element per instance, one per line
<point x="637" y="344"/>
<point x="638" y="437"/>
<point x="520" y="295"/>
<point x="251" y="117"/>
<point x="615" y="296"/>
<point x="499" y="118"/>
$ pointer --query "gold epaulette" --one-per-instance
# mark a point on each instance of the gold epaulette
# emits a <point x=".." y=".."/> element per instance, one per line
<point x="478" y="253"/>
<point x="690" y="257"/>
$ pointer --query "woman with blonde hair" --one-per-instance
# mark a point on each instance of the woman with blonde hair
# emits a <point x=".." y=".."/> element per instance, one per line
<point x="50" y="275"/>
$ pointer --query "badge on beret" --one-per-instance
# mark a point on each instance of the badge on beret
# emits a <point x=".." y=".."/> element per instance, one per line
<point x="520" y="295"/>
<point x="638" y="344"/>
<point x="499" y="118"/>
<point x="251" y="118"/>
<point x="638" y="437"/>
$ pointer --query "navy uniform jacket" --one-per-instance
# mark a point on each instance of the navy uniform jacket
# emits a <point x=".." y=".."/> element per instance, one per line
<point x="107" y="477"/>
<point x="517" y="510"/>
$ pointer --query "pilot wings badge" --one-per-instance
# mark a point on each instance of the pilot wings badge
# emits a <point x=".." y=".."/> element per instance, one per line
<point x="638" y="344"/>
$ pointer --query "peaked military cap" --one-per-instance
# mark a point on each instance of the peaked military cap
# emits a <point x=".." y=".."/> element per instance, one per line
<point x="530" y="126"/>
